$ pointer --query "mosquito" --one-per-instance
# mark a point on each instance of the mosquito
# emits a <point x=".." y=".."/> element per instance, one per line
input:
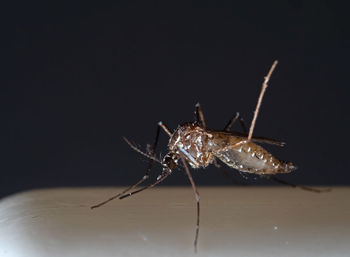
<point x="198" y="146"/>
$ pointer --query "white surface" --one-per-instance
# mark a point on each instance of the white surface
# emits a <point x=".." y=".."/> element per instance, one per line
<point x="161" y="222"/>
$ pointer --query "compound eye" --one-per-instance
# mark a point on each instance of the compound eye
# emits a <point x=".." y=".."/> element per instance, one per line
<point x="172" y="165"/>
<point x="169" y="162"/>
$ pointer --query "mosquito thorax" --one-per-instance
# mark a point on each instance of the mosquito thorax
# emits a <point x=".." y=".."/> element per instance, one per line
<point x="194" y="142"/>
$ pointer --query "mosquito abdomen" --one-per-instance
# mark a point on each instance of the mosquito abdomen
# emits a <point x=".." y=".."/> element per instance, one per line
<point x="249" y="157"/>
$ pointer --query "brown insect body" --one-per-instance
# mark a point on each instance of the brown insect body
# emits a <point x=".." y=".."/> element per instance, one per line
<point x="193" y="143"/>
<point x="200" y="147"/>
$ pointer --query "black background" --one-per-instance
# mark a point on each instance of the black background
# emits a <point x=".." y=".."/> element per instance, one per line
<point x="77" y="77"/>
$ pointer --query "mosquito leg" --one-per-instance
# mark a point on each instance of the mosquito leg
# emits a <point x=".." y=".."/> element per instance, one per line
<point x="160" y="178"/>
<point x="165" y="128"/>
<point x="244" y="127"/>
<point x="315" y="190"/>
<point x="141" y="152"/>
<point x="146" y="176"/>
<point x="200" y="116"/>
<point x="264" y="86"/>
<point x="197" y="200"/>
<point x="231" y="122"/>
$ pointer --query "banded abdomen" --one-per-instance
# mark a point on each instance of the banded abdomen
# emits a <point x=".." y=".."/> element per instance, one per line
<point x="247" y="156"/>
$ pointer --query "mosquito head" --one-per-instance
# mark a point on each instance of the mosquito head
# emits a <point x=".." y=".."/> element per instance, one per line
<point x="170" y="161"/>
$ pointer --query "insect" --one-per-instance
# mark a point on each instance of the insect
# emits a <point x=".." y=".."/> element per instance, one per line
<point x="198" y="146"/>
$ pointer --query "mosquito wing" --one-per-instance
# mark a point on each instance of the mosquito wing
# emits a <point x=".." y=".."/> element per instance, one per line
<point x="243" y="136"/>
